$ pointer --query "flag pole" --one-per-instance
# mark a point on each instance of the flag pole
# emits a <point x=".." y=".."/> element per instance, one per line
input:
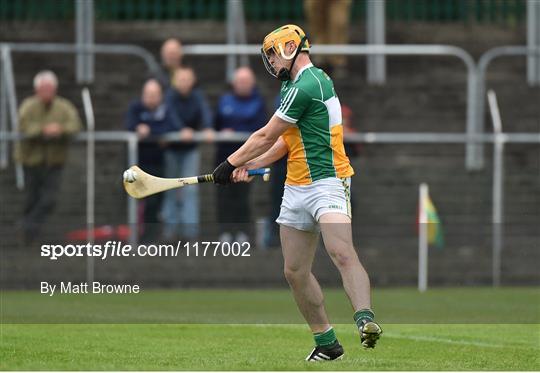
<point x="423" y="238"/>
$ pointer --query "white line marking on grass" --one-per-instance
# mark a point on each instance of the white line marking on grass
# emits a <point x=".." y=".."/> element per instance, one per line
<point x="453" y="341"/>
<point x="419" y="338"/>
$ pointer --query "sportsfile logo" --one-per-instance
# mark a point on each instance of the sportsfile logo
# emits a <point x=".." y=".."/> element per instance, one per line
<point x="119" y="249"/>
<point x="109" y="249"/>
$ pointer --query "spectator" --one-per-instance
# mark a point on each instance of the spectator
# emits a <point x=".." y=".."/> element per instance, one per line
<point x="181" y="206"/>
<point x="150" y="116"/>
<point x="242" y="110"/>
<point x="47" y="121"/>
<point x="329" y="24"/>
<point x="171" y="59"/>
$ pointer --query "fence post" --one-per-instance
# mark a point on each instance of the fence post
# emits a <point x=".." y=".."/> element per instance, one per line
<point x="498" y="188"/>
<point x="236" y="34"/>
<point x="422" y="238"/>
<point x="11" y="98"/>
<point x="90" y="179"/>
<point x="85" y="39"/>
<point x="533" y="41"/>
<point x="474" y="151"/>
<point x="375" y="21"/>
<point x="4" y="144"/>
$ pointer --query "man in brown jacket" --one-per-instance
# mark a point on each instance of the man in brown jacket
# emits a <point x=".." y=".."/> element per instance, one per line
<point x="47" y="122"/>
<point x="328" y="22"/>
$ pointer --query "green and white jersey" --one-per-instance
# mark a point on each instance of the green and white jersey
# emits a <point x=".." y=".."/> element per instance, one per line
<point x="315" y="142"/>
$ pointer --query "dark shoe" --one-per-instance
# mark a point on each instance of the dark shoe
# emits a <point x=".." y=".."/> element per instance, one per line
<point x="327" y="353"/>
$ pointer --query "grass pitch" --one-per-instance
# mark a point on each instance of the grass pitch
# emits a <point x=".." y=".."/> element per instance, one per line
<point x="274" y="346"/>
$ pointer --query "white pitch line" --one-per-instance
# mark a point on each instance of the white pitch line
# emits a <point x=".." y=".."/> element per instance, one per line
<point x="453" y="341"/>
<point x="418" y="338"/>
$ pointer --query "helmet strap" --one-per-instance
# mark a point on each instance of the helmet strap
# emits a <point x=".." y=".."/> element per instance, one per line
<point x="284" y="74"/>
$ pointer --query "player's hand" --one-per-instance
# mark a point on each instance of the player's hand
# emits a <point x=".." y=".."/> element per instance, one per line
<point x="222" y="173"/>
<point x="240" y="175"/>
<point x="186" y="134"/>
<point x="143" y="130"/>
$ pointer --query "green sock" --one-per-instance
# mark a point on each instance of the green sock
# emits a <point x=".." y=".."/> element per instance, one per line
<point x="362" y="316"/>
<point x="326" y="338"/>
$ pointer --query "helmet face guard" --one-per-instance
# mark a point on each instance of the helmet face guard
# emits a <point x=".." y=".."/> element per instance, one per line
<point x="283" y="74"/>
<point x="266" y="60"/>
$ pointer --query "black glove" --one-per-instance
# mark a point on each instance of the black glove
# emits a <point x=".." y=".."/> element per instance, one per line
<point x="222" y="173"/>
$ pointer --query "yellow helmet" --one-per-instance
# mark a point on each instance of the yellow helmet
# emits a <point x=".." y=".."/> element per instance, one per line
<point x="275" y="42"/>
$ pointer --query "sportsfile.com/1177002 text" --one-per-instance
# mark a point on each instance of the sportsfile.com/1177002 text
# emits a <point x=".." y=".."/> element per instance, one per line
<point x="119" y="249"/>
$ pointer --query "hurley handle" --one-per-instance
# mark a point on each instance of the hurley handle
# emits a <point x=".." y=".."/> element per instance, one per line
<point x="208" y="178"/>
<point x="258" y="171"/>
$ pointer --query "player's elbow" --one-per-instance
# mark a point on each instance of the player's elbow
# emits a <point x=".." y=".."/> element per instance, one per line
<point x="265" y="139"/>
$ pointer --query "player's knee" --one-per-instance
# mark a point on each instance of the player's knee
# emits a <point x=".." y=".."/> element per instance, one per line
<point x="343" y="256"/>
<point x="295" y="275"/>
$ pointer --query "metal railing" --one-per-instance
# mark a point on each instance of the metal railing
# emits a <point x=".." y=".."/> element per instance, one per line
<point x="131" y="141"/>
<point x="479" y="102"/>
<point x="8" y="96"/>
<point x="90" y="178"/>
<point x="533" y="41"/>
<point x="370" y="50"/>
<point x="115" y="49"/>
<point x="498" y="139"/>
<point x="476" y="76"/>
<point x="475" y="73"/>
<point x="84" y="36"/>
<point x="373" y="50"/>
<point x="236" y="34"/>
<point x="497" y="190"/>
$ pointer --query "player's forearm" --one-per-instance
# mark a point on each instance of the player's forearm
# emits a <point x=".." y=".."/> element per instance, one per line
<point x="256" y="145"/>
<point x="276" y="152"/>
<point x="262" y="161"/>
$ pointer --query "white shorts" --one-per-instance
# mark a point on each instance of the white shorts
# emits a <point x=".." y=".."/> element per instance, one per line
<point x="303" y="205"/>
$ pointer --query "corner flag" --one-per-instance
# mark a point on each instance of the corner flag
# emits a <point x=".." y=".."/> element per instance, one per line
<point x="429" y="232"/>
<point x="435" y="235"/>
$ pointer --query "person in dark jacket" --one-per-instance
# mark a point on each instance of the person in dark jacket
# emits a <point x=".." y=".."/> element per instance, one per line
<point x="151" y="116"/>
<point x="180" y="208"/>
<point x="241" y="110"/>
